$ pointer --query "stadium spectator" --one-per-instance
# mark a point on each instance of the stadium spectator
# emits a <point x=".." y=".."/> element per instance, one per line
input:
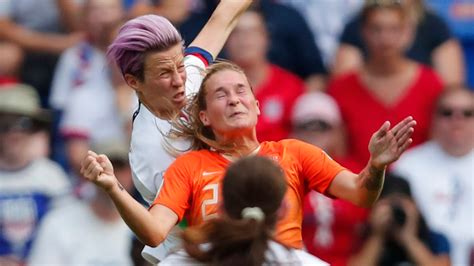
<point x="93" y="224"/>
<point x="42" y="29"/>
<point x="441" y="174"/>
<point x="397" y="234"/>
<point x="276" y="89"/>
<point x="430" y="42"/>
<point x="30" y="186"/>
<point x="331" y="227"/>
<point x="388" y="86"/>
<point x="83" y="92"/>
<point x="291" y="44"/>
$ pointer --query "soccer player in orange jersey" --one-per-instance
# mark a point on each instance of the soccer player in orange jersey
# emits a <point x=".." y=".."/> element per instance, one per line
<point x="222" y="121"/>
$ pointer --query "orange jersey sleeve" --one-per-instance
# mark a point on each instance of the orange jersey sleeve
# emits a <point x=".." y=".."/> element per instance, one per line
<point x="317" y="168"/>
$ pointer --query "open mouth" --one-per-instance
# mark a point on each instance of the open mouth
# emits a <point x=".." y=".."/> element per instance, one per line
<point x="179" y="97"/>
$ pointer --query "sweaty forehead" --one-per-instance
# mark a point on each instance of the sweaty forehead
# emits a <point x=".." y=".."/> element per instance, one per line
<point x="165" y="59"/>
<point x="227" y="78"/>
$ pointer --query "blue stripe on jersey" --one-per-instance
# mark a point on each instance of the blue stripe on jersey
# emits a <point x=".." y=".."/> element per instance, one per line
<point x="202" y="52"/>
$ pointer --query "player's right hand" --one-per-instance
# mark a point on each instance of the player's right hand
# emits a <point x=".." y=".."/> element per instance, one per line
<point x="98" y="169"/>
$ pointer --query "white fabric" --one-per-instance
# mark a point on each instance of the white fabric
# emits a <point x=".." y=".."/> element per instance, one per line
<point x="92" y="112"/>
<point x="74" y="235"/>
<point x="275" y="255"/>
<point x="25" y="196"/>
<point x="148" y="157"/>
<point x="443" y="187"/>
<point x="71" y="69"/>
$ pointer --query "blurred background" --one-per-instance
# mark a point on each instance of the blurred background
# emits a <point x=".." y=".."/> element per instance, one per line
<point x="328" y="72"/>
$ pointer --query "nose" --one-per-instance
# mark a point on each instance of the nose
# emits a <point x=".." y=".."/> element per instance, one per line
<point x="233" y="99"/>
<point x="177" y="79"/>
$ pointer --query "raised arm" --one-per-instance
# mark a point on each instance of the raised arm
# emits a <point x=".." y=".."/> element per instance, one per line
<point x="221" y="23"/>
<point x="151" y="227"/>
<point x="449" y="63"/>
<point x="385" y="146"/>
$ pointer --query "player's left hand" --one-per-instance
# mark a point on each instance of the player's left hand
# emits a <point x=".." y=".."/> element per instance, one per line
<point x="386" y="145"/>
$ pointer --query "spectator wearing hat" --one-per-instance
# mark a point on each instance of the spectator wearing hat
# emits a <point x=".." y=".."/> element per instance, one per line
<point x="92" y="223"/>
<point x="331" y="227"/>
<point x="30" y="185"/>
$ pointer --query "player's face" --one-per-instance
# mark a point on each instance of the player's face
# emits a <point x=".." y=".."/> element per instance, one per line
<point x="231" y="105"/>
<point x="454" y="120"/>
<point x="164" y="80"/>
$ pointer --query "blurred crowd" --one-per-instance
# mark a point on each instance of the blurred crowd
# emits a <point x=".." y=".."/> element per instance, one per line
<point x="328" y="72"/>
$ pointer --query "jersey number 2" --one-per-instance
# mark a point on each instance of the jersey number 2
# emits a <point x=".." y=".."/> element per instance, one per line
<point x="215" y="195"/>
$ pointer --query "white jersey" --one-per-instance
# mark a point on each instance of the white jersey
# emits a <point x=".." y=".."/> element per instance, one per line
<point x="74" y="235"/>
<point x="443" y="188"/>
<point x="276" y="254"/>
<point x="148" y="157"/>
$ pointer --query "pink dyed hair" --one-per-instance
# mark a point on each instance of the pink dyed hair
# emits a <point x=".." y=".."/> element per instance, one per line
<point x="139" y="36"/>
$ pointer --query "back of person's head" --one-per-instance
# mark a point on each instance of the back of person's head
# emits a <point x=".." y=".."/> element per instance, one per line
<point x="253" y="190"/>
<point x="137" y="37"/>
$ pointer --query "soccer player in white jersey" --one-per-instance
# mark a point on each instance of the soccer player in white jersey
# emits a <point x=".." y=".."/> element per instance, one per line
<point x="149" y="52"/>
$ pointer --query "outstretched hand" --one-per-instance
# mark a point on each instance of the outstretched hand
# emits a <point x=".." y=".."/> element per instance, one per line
<point x="386" y="145"/>
<point x="98" y="169"/>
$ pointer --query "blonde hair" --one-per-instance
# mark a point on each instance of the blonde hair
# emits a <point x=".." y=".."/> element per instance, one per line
<point x="201" y="136"/>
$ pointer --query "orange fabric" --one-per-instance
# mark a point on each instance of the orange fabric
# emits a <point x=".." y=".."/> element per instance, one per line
<point x="191" y="185"/>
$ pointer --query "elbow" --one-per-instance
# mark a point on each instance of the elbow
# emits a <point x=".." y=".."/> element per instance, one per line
<point x="152" y="240"/>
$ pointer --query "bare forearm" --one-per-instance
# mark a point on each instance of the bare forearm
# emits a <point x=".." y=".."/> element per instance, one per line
<point x="370" y="183"/>
<point x="216" y="31"/>
<point x="369" y="253"/>
<point x="140" y="221"/>
<point x="34" y="41"/>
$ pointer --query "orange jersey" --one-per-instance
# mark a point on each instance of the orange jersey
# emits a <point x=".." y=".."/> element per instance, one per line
<point x="192" y="183"/>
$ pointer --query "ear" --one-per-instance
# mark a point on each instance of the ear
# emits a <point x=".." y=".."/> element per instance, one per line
<point x="132" y="81"/>
<point x="258" y="107"/>
<point x="204" y="118"/>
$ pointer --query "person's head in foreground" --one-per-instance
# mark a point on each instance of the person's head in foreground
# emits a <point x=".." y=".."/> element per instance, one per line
<point x="149" y="52"/>
<point x="253" y="190"/>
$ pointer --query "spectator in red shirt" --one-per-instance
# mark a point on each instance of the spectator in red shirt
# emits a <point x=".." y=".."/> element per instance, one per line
<point x="388" y="86"/>
<point x="276" y="89"/>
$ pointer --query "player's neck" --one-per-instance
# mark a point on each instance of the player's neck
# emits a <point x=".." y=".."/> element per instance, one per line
<point x="242" y="145"/>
